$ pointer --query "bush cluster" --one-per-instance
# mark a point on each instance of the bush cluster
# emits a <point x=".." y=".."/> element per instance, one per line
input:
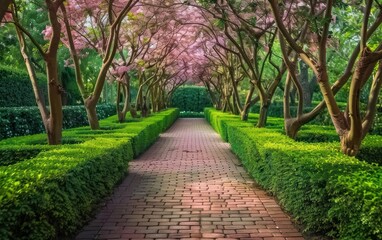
<point x="324" y="190"/>
<point x="20" y="121"/>
<point x="191" y="99"/>
<point x="50" y="193"/>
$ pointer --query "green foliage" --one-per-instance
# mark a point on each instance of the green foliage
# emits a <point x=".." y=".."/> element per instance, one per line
<point x="16" y="88"/>
<point x="72" y="94"/>
<point x="51" y="195"/>
<point x="371" y="150"/>
<point x="11" y="154"/>
<point x="356" y="210"/>
<point x="325" y="190"/>
<point x="191" y="98"/>
<point x="276" y="110"/>
<point x="27" y="120"/>
<point x="315" y="133"/>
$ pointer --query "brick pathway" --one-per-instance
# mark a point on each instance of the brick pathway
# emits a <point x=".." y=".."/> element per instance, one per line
<point x="189" y="185"/>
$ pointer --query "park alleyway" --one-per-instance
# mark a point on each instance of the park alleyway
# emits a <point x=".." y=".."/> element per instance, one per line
<point x="189" y="185"/>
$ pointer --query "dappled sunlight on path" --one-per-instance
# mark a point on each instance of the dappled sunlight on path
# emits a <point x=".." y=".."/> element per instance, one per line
<point x="189" y="185"/>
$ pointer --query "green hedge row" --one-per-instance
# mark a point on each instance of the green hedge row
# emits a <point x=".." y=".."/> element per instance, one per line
<point x="326" y="191"/>
<point x="16" y="88"/>
<point x="276" y="110"/>
<point x="20" y="121"/>
<point x="53" y="193"/>
<point x="191" y="99"/>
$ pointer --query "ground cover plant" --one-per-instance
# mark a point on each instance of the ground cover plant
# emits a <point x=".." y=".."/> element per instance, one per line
<point x="49" y="192"/>
<point x="328" y="192"/>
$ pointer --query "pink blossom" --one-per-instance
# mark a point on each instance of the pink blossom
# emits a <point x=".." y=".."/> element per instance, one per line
<point x="47" y="32"/>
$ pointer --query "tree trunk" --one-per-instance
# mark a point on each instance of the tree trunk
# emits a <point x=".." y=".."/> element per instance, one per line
<point x="264" y="105"/>
<point x="144" y="111"/>
<point x="247" y="104"/>
<point x="263" y="114"/>
<point x="292" y="126"/>
<point x="55" y="90"/>
<point x="40" y="101"/>
<point x="54" y="123"/>
<point x="124" y="87"/>
<point x="212" y="95"/>
<point x="91" y="112"/>
<point x="306" y="85"/>
<point x="350" y="145"/>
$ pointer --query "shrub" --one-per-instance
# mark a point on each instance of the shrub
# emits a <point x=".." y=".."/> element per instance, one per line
<point x="16" y="88"/>
<point x="52" y="194"/>
<point x="27" y="120"/>
<point x="323" y="189"/>
<point x="371" y="150"/>
<point x="191" y="99"/>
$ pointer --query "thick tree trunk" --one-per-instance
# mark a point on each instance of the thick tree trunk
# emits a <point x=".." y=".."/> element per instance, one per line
<point x="306" y="85"/>
<point x="292" y="126"/>
<point x="264" y="105"/>
<point x="247" y="104"/>
<point x="350" y="145"/>
<point x="124" y="87"/>
<point x="54" y="123"/>
<point x="91" y="112"/>
<point x="245" y="112"/>
<point x="263" y="115"/>
<point x="144" y="110"/>
<point x="55" y="90"/>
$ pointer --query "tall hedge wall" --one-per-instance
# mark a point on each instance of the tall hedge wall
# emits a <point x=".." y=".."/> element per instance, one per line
<point x="16" y="89"/>
<point x="191" y="99"/>
<point x="323" y="189"/>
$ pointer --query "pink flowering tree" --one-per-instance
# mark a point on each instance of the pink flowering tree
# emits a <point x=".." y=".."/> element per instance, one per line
<point x="364" y="64"/>
<point x="248" y="28"/>
<point x="135" y="42"/>
<point x="97" y="25"/>
<point x="174" y="54"/>
<point x="52" y="117"/>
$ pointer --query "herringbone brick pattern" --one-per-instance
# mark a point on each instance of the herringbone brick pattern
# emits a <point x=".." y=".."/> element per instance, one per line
<point x="189" y="185"/>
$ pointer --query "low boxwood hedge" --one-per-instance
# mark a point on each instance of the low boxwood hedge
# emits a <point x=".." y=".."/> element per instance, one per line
<point x="52" y="192"/>
<point x="324" y="190"/>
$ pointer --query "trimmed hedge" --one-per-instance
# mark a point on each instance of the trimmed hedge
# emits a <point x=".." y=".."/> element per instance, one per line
<point x="52" y="194"/>
<point x="191" y="99"/>
<point x="326" y="191"/>
<point x="22" y="121"/>
<point x="16" y="88"/>
<point x="276" y="109"/>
